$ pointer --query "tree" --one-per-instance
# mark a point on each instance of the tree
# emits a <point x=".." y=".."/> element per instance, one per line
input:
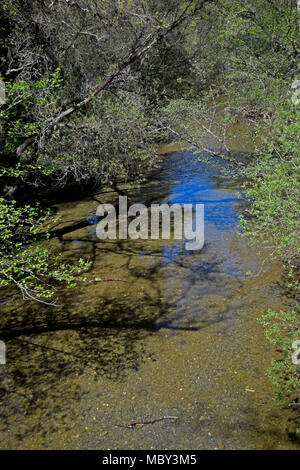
<point x="90" y="45"/>
<point x="77" y="112"/>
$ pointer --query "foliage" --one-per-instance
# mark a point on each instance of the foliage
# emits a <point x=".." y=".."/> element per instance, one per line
<point x="109" y="144"/>
<point x="26" y="263"/>
<point x="23" y="99"/>
<point x="282" y="329"/>
<point x="273" y="186"/>
<point x="274" y="190"/>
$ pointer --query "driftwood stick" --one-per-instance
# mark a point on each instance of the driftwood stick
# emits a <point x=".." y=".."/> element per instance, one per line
<point x="133" y="424"/>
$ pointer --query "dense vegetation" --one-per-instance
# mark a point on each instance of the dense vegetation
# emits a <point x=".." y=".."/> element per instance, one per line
<point x="92" y="86"/>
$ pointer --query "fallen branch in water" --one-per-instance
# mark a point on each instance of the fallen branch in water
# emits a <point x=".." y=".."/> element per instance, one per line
<point x="134" y="424"/>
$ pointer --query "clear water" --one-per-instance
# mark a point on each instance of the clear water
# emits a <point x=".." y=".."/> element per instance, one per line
<point x="178" y="338"/>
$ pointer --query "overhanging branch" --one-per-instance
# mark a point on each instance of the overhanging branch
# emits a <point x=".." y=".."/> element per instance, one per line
<point x="129" y="59"/>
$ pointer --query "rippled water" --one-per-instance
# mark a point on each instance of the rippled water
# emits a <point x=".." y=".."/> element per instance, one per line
<point x="178" y="338"/>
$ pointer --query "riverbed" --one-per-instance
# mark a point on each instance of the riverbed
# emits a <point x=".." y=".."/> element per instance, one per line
<point x="167" y="356"/>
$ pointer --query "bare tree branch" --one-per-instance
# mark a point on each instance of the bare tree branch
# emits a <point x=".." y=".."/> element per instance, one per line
<point x="132" y="57"/>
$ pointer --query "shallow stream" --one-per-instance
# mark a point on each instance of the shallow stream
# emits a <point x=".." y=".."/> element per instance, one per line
<point x="173" y="358"/>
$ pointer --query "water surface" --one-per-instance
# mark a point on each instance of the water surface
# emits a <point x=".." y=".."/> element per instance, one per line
<point x="178" y="338"/>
